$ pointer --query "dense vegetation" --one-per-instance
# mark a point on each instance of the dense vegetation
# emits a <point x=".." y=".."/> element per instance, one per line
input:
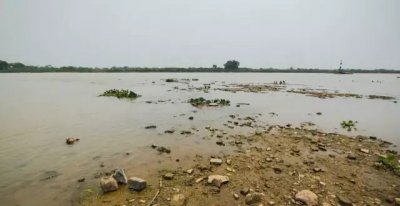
<point x="123" y="93"/>
<point x="6" y="67"/>
<point x="204" y="102"/>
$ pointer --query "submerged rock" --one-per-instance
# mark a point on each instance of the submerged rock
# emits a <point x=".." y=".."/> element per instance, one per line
<point x="108" y="184"/>
<point x="120" y="176"/>
<point x="150" y="127"/>
<point x="163" y="150"/>
<point x="71" y="140"/>
<point x="137" y="184"/>
<point x="307" y="197"/>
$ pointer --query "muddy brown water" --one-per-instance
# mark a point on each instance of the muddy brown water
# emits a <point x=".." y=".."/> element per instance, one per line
<point x="38" y="111"/>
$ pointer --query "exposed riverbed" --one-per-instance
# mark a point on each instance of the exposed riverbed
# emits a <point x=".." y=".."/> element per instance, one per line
<point x="38" y="111"/>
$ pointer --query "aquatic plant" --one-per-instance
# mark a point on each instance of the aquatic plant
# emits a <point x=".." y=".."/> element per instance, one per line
<point x="120" y="93"/>
<point x="389" y="162"/>
<point x="349" y="125"/>
<point x="171" y="80"/>
<point x="380" y="97"/>
<point x="204" y="102"/>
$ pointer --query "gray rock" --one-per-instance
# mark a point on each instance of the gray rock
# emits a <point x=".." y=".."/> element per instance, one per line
<point x="351" y="156"/>
<point x="344" y="201"/>
<point x="254" y="198"/>
<point x="135" y="183"/>
<point x="217" y="180"/>
<point x="178" y="200"/>
<point x="120" y="176"/>
<point x="307" y="197"/>
<point x="108" y="184"/>
<point x="216" y="161"/>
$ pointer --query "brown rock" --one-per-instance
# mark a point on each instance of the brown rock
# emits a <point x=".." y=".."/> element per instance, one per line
<point x="108" y="184"/>
<point x="307" y="197"/>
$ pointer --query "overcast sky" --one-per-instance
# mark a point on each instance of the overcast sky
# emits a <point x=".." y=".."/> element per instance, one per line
<point x="258" y="33"/>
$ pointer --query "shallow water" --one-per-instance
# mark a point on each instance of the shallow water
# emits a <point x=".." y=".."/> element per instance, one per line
<point x="38" y="111"/>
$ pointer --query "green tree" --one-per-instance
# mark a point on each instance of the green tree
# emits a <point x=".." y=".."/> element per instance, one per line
<point x="232" y="65"/>
<point x="3" y="65"/>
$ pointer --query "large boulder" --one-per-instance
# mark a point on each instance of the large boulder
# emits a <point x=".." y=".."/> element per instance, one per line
<point x="108" y="184"/>
<point x="138" y="184"/>
<point x="120" y="176"/>
<point x="307" y="197"/>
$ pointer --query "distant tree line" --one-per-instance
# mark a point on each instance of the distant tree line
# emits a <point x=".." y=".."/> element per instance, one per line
<point x="229" y="66"/>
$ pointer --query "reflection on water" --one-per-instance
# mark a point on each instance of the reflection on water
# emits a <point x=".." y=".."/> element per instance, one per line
<point x="38" y="111"/>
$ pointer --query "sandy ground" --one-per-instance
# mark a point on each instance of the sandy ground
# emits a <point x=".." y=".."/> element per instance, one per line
<point x="270" y="167"/>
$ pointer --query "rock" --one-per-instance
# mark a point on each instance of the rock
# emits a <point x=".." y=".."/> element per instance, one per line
<point x="397" y="201"/>
<point x="319" y="113"/>
<point x="271" y="203"/>
<point x="244" y="191"/>
<point x="178" y="200"/>
<point x="228" y="162"/>
<point x="71" y="140"/>
<point x="372" y="137"/>
<point x="150" y="127"/>
<point x="220" y="143"/>
<point x="153" y="146"/>
<point x="389" y="199"/>
<point x="170" y="131"/>
<point x="216" y="161"/>
<point x="317" y="169"/>
<point x="236" y="196"/>
<point x="168" y="176"/>
<point x="108" y="184"/>
<point x="344" y="201"/>
<point x="189" y="171"/>
<point x="135" y="183"/>
<point x="199" y="179"/>
<point x="254" y="198"/>
<point x="351" y="156"/>
<point x="277" y="170"/>
<point x="366" y="151"/>
<point x="163" y="150"/>
<point x="191" y="118"/>
<point x="81" y="180"/>
<point x="120" y="176"/>
<point x="307" y="197"/>
<point x="218" y="180"/>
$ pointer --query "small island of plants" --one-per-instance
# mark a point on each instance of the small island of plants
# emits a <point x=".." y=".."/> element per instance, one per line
<point x="349" y="125"/>
<point x="197" y="102"/>
<point x="120" y="93"/>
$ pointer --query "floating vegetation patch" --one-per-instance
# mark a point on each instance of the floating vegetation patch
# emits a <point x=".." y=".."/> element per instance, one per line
<point x="349" y="125"/>
<point x="197" y="102"/>
<point x="380" y="97"/>
<point x="389" y="162"/>
<point x="323" y="94"/>
<point x="171" y="80"/>
<point x="120" y="93"/>
<point x="254" y="88"/>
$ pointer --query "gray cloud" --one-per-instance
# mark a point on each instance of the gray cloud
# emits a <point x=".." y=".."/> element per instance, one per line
<point x="259" y="33"/>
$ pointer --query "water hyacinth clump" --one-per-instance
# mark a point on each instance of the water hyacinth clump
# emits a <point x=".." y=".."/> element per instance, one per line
<point x="205" y="102"/>
<point x="120" y="93"/>
<point x="349" y="125"/>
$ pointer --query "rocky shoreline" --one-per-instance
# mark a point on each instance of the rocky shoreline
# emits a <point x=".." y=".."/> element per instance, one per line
<point x="278" y="165"/>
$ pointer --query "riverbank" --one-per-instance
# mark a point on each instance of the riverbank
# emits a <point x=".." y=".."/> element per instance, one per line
<point x="271" y="167"/>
